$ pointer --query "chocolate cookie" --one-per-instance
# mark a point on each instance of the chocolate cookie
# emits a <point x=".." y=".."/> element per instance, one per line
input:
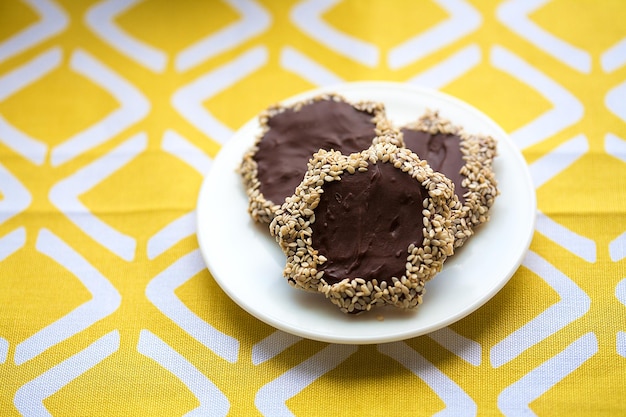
<point x="464" y="158"/>
<point x="276" y="163"/>
<point x="366" y="229"/>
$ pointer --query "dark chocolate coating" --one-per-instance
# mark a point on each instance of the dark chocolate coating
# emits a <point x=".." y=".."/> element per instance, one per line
<point x="365" y="222"/>
<point x="442" y="152"/>
<point x="294" y="136"/>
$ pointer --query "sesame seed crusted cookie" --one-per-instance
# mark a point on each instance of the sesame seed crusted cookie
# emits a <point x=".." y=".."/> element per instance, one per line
<point x="367" y="229"/>
<point x="466" y="159"/>
<point x="290" y="134"/>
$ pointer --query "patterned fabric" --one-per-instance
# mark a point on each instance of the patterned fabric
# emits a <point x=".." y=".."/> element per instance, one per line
<point x="112" y="111"/>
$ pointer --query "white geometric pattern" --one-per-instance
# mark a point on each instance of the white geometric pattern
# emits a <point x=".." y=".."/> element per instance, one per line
<point x="614" y="101"/>
<point x="574" y="304"/>
<point x="545" y="169"/>
<point x="614" y="57"/>
<point x="616" y="147"/>
<point x="106" y="299"/>
<point x="307" y="15"/>
<point x="16" y="197"/>
<point x="171" y="234"/>
<point x="9" y="244"/>
<point x="457" y="402"/>
<point x="620" y="293"/>
<point x="53" y="21"/>
<point x="436" y="77"/>
<point x="212" y="401"/>
<point x="12" y="242"/>
<point x="567" y="109"/>
<point x="272" y="345"/>
<point x="160" y="291"/>
<point x="255" y="20"/>
<point x="449" y="69"/>
<point x="617" y="248"/>
<point x="271" y="398"/>
<point x="188" y="99"/>
<point x="514" y="13"/>
<point x="621" y="343"/>
<point x="4" y="350"/>
<point x="558" y="160"/>
<point x="134" y="107"/>
<point x="101" y="19"/>
<point x="64" y="195"/>
<point x="463" y="20"/>
<point x="30" y="396"/>
<point x="580" y="246"/>
<point x="30" y="148"/>
<point x="297" y="62"/>
<point x="514" y="399"/>
<point x="176" y="145"/>
<point x="466" y="349"/>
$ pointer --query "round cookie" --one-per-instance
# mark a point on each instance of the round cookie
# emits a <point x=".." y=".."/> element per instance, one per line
<point x="464" y="158"/>
<point x="276" y="163"/>
<point x="366" y="229"/>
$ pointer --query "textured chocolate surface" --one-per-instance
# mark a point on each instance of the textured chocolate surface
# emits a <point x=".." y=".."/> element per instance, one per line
<point x="366" y="222"/>
<point x="442" y="152"/>
<point x="294" y="136"/>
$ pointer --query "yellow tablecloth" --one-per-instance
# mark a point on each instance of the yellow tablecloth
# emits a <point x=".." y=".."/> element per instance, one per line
<point x="112" y="111"/>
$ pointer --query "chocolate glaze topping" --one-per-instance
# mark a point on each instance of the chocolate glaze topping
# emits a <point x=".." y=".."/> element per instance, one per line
<point x="294" y="136"/>
<point x="365" y="222"/>
<point x="442" y="152"/>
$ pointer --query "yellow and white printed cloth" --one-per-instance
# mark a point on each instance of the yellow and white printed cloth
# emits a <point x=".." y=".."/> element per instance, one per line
<point x="111" y="112"/>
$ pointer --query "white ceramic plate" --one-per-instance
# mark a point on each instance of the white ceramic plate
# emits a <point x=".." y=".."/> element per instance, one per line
<point x="247" y="263"/>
